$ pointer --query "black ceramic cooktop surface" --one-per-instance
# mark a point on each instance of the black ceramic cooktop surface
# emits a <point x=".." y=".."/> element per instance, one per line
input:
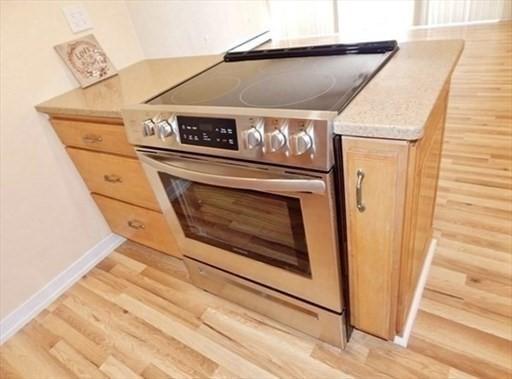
<point x="324" y="83"/>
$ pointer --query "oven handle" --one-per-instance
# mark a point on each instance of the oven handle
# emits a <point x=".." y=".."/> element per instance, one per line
<point x="257" y="184"/>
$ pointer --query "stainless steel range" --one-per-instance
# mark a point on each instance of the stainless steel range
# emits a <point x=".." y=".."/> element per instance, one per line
<point x="241" y="160"/>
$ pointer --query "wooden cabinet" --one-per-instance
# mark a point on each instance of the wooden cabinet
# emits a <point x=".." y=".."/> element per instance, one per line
<point x="390" y="188"/>
<point x="377" y="170"/>
<point x="110" y="168"/>
<point x="108" y="136"/>
<point x="138" y="224"/>
<point x="422" y="180"/>
<point x="114" y="176"/>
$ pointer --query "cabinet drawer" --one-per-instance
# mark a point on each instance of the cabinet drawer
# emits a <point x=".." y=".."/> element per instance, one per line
<point x="138" y="224"/>
<point x="307" y="318"/>
<point x="114" y="176"/>
<point x="108" y="138"/>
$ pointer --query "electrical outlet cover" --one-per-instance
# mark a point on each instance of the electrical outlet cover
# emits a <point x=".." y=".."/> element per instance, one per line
<point x="77" y="17"/>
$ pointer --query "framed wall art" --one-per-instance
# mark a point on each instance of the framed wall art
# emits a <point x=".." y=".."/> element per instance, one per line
<point x="86" y="60"/>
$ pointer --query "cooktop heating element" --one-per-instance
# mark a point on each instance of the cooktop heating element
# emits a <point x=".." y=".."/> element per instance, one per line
<point x="325" y="83"/>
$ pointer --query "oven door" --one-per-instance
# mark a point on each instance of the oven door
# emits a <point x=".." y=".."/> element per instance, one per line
<point x="269" y="225"/>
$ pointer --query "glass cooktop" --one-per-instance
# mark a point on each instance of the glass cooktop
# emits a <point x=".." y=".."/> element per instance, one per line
<point x="321" y="83"/>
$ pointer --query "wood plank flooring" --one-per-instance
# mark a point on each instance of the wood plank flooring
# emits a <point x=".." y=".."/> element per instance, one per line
<point x="136" y="316"/>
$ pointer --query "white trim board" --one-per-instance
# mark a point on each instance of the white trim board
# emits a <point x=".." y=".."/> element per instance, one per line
<point x="18" y="318"/>
<point x="418" y="293"/>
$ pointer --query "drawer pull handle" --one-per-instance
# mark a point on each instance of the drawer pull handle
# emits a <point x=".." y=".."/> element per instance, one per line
<point x="92" y="138"/>
<point x="136" y="224"/>
<point x="112" y="178"/>
<point x="359" y="191"/>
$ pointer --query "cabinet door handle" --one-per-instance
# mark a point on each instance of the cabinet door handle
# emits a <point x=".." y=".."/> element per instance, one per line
<point x="112" y="178"/>
<point x="359" y="191"/>
<point x="92" y="138"/>
<point x="136" y="224"/>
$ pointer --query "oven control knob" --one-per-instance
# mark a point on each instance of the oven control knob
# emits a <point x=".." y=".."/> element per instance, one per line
<point x="164" y="129"/>
<point x="300" y="143"/>
<point x="252" y="138"/>
<point x="274" y="141"/>
<point x="148" y="128"/>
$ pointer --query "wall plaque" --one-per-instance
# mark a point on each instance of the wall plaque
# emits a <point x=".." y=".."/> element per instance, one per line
<point x="86" y="60"/>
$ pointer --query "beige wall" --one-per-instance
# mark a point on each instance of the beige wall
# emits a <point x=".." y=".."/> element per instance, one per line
<point x="47" y="218"/>
<point x="175" y="28"/>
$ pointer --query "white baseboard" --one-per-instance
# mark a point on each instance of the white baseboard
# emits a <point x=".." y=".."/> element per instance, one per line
<point x="18" y="318"/>
<point x="418" y="293"/>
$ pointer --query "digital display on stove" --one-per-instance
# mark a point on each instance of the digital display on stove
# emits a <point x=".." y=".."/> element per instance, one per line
<point x="206" y="127"/>
<point x="219" y="133"/>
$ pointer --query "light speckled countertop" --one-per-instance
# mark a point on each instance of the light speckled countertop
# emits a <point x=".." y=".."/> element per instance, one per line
<point x="134" y="84"/>
<point x="397" y="102"/>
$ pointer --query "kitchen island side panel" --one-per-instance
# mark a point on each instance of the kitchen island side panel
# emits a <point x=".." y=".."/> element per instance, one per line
<point x="422" y="183"/>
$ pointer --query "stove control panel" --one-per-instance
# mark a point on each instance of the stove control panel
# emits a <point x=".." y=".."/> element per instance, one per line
<point x="288" y="141"/>
<point x="219" y="133"/>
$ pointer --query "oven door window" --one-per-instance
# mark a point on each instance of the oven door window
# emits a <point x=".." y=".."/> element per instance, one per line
<point x="262" y="226"/>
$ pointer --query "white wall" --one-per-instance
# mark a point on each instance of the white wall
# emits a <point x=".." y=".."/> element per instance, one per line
<point x="47" y="218"/>
<point x="174" y="28"/>
<point x="440" y="12"/>
<point x="354" y="20"/>
<point x="374" y="19"/>
<point x="293" y="19"/>
<point x="362" y="20"/>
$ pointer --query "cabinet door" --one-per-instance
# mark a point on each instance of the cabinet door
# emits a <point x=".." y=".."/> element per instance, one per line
<point x="375" y="178"/>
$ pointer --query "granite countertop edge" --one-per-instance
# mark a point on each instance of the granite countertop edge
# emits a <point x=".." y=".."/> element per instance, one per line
<point x="410" y="132"/>
<point x="78" y="112"/>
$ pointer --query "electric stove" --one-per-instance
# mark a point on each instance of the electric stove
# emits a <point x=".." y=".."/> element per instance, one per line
<point x="240" y="158"/>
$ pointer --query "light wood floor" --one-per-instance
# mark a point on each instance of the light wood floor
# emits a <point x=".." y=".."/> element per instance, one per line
<point x="136" y="316"/>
